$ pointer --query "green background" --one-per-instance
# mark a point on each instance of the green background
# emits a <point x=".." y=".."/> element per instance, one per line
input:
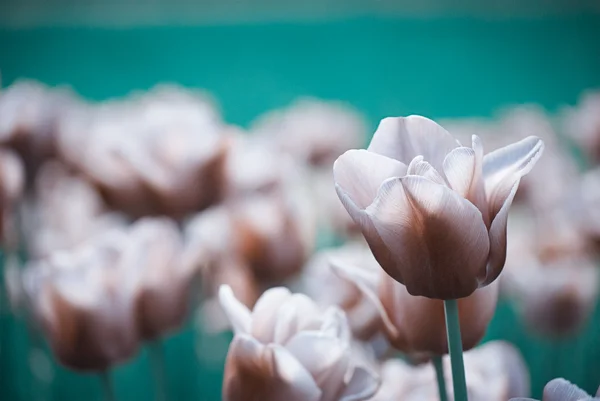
<point x="436" y="66"/>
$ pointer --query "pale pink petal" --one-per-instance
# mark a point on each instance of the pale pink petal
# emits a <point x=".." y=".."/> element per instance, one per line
<point x="563" y="390"/>
<point x="363" y="384"/>
<point x="264" y="314"/>
<point x="325" y="357"/>
<point x="301" y="385"/>
<point x="298" y="313"/>
<point x="335" y="324"/>
<point x="420" y="167"/>
<point x="463" y="170"/>
<point x="359" y="174"/>
<point x="404" y="138"/>
<point x="503" y="167"/>
<point x="238" y="314"/>
<point x="438" y="239"/>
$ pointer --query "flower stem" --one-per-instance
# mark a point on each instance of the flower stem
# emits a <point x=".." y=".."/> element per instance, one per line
<point x="439" y="374"/>
<point x="107" y="386"/>
<point x="455" y="347"/>
<point x="158" y="369"/>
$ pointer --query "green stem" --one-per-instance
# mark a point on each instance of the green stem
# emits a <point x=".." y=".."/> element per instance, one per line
<point x="158" y="368"/>
<point x="107" y="386"/>
<point x="439" y="374"/>
<point x="455" y="347"/>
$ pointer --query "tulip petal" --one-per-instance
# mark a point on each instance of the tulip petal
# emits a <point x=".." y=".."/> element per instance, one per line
<point x="286" y="367"/>
<point x="503" y="167"/>
<point x="236" y="312"/>
<point x="335" y="324"/>
<point x="325" y="357"/>
<point x="463" y="170"/>
<point x="298" y="313"/>
<point x="367" y="282"/>
<point x="438" y="239"/>
<point x="359" y="175"/>
<point x="362" y="385"/>
<point x="264" y="313"/>
<point x="420" y="167"/>
<point x="404" y="138"/>
<point x="563" y="390"/>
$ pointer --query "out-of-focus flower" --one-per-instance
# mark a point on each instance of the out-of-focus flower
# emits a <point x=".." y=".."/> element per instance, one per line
<point x="29" y="116"/>
<point x="12" y="180"/>
<point x="286" y="348"/>
<point x="66" y="210"/>
<point x="313" y="131"/>
<point x="322" y="284"/>
<point x="582" y="124"/>
<point x="416" y="325"/>
<point x="161" y="153"/>
<point x="495" y="372"/>
<point x="256" y="165"/>
<point x="83" y="301"/>
<point x="550" y="274"/>
<point x="434" y="213"/>
<point x="562" y="390"/>
<point x="589" y="211"/>
<point x="155" y="252"/>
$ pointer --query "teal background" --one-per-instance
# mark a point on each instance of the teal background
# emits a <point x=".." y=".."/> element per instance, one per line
<point x="438" y="67"/>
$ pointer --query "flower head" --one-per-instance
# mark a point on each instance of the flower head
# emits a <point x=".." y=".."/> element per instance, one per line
<point x="433" y="212"/>
<point x="287" y="348"/>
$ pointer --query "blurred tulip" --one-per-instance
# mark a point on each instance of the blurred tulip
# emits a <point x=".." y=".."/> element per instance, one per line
<point x="495" y="372"/>
<point x="163" y="152"/>
<point x="589" y="210"/>
<point x="30" y="114"/>
<point x="313" y="131"/>
<point x="582" y="124"/>
<point x="155" y="252"/>
<point x="83" y="301"/>
<point x="66" y="210"/>
<point x="287" y="348"/>
<point x="416" y="325"/>
<point x="562" y="390"/>
<point x="12" y="181"/>
<point x="327" y="288"/>
<point x="434" y="213"/>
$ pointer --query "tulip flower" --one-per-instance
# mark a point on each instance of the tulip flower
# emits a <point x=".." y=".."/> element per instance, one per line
<point x="563" y="390"/>
<point x="433" y="212"/>
<point x="286" y="348"/>
<point x="66" y="211"/>
<point x="322" y="284"/>
<point x="313" y="132"/>
<point x="495" y="371"/>
<point x="415" y="325"/>
<point x="83" y="301"/>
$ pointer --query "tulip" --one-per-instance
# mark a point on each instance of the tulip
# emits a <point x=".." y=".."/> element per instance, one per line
<point x="415" y="325"/>
<point x="313" y="132"/>
<point x="155" y="253"/>
<point x="433" y="212"/>
<point x="66" y="211"/>
<point x="563" y="390"/>
<point x="12" y="181"/>
<point x="286" y="348"/>
<point x="327" y="288"/>
<point x="582" y="124"/>
<point x="83" y="301"/>
<point x="495" y="371"/>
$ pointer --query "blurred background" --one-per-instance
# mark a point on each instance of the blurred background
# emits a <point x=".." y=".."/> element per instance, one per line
<point x="472" y="64"/>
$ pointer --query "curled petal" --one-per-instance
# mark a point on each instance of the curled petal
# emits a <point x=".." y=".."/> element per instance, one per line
<point x="504" y="167"/>
<point x="264" y="313"/>
<point x="420" y="167"/>
<point x="238" y="314"/>
<point x="438" y="240"/>
<point x="404" y="138"/>
<point x="463" y="169"/>
<point x="359" y="174"/>
<point x="563" y="390"/>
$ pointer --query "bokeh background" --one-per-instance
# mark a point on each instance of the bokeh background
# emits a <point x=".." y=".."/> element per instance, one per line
<point x="438" y="59"/>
